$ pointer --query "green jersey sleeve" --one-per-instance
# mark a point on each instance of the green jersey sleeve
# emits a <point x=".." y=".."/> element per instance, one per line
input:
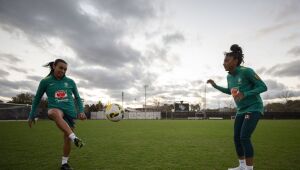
<point x="259" y="85"/>
<point x="37" y="98"/>
<point x="222" y="89"/>
<point x="77" y="97"/>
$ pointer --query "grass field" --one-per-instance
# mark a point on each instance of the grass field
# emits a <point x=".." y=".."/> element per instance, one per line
<point x="148" y="144"/>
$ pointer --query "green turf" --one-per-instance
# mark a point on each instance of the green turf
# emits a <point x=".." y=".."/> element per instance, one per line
<point x="148" y="144"/>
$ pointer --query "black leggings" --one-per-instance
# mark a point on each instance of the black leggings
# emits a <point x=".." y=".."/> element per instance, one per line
<point x="244" y="126"/>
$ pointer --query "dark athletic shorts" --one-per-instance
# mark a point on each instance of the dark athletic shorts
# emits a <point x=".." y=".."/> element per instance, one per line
<point x="69" y="119"/>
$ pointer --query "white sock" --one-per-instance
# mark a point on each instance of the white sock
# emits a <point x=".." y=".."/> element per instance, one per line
<point x="242" y="163"/>
<point x="72" y="136"/>
<point x="249" y="167"/>
<point x="64" y="160"/>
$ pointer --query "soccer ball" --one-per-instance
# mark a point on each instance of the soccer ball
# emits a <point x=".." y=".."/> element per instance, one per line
<point x="114" y="112"/>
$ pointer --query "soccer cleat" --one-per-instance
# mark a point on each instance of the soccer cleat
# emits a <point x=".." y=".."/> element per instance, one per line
<point x="66" y="166"/>
<point x="78" y="142"/>
<point x="238" y="168"/>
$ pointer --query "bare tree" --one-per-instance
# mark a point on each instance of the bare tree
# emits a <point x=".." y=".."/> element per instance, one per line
<point x="286" y="95"/>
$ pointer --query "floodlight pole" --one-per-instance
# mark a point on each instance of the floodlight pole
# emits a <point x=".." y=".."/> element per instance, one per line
<point x="122" y="98"/>
<point x="205" y="97"/>
<point x="145" y="86"/>
<point x="205" y="101"/>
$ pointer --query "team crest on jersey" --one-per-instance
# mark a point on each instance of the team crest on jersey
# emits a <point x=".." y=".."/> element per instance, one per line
<point x="66" y="84"/>
<point x="239" y="80"/>
<point x="60" y="94"/>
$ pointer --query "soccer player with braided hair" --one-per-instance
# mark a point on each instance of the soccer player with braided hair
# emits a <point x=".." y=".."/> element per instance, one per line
<point x="245" y="86"/>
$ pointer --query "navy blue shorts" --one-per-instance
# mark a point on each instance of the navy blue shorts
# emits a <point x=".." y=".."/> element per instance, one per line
<point x="69" y="119"/>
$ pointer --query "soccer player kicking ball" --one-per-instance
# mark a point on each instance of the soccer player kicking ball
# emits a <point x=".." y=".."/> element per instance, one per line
<point x="245" y="87"/>
<point x="61" y="106"/>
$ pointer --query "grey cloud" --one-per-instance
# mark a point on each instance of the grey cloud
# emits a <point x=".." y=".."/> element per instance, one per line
<point x="261" y="70"/>
<point x="197" y="83"/>
<point x="11" y="88"/>
<point x="6" y="92"/>
<point x="7" y="28"/>
<point x="173" y="38"/>
<point x="281" y="94"/>
<point x="94" y="42"/>
<point x="168" y="93"/>
<point x="104" y="61"/>
<point x="17" y="69"/>
<point x="295" y="51"/>
<point x="126" y="8"/>
<point x="274" y="85"/>
<point x="160" y="57"/>
<point x="210" y="89"/>
<point x="296" y="93"/>
<point x="290" y="69"/>
<point x="35" y="78"/>
<point x="276" y="90"/>
<point x="276" y="27"/>
<point x="290" y="9"/>
<point x="9" y="58"/>
<point x="218" y="78"/>
<point x="115" y="78"/>
<point x="291" y="37"/>
<point x="17" y="84"/>
<point x="3" y="73"/>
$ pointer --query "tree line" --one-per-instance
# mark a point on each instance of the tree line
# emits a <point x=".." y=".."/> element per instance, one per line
<point x="27" y="98"/>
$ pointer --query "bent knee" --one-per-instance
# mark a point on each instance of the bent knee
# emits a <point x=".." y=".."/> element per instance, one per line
<point x="244" y="139"/>
<point x="55" y="113"/>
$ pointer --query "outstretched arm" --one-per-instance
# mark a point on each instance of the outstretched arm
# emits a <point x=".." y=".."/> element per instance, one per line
<point x="222" y="89"/>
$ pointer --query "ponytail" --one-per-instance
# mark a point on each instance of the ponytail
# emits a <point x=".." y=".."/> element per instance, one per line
<point x="52" y="64"/>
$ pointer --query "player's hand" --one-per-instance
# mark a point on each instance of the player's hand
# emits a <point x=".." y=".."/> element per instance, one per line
<point x="30" y="121"/>
<point x="210" y="81"/>
<point x="239" y="96"/>
<point x="82" y="116"/>
<point x="236" y="94"/>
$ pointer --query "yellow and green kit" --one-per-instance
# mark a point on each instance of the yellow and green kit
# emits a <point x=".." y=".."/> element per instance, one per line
<point x="59" y="93"/>
<point x="246" y="81"/>
<point x="249" y="109"/>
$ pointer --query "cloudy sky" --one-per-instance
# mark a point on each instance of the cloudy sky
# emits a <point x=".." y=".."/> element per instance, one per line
<point x="172" y="46"/>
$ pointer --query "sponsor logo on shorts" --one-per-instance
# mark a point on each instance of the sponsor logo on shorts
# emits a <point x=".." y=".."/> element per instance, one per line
<point x="247" y="116"/>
